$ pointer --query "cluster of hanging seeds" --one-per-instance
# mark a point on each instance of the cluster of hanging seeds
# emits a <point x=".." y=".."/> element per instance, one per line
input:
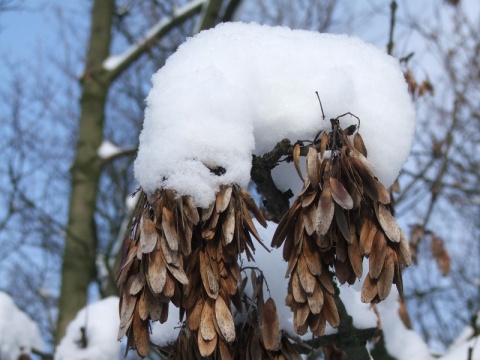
<point x="341" y="216"/>
<point x="178" y="253"/>
<point x="260" y="333"/>
<point x="152" y="273"/>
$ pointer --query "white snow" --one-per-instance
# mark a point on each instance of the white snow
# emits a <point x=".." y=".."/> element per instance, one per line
<point x="240" y="88"/>
<point x="101" y="322"/>
<point x="362" y="314"/>
<point x="18" y="333"/>
<point x="166" y="333"/>
<point x="108" y="149"/>
<point x="402" y="343"/>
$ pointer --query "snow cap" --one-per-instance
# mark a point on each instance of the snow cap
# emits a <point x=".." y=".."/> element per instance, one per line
<point x="238" y="89"/>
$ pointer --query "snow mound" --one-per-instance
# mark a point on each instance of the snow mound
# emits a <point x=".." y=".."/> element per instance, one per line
<point x="238" y="89"/>
<point x="18" y="333"/>
<point x="100" y="323"/>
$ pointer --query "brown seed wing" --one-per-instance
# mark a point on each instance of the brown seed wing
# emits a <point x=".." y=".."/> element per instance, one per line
<point x="369" y="289"/>
<point x="155" y="307"/>
<point x="329" y="310"/>
<point x="312" y="258"/>
<point x="170" y="256"/>
<point x="388" y="223"/>
<point x="223" y="350"/>
<point x="223" y="199"/>
<point x="285" y="225"/>
<point x="296" y="160"/>
<point x="143" y="306"/>
<point x="270" y="326"/>
<point x="169" y="288"/>
<point x="377" y="255"/>
<point x="228" y="225"/>
<point x="404" y="251"/>
<point x="207" y="213"/>
<point x="359" y="144"/>
<point x="300" y="316"/>
<point x="207" y="327"/>
<point x="354" y="253"/>
<point x="137" y="284"/>
<point x="252" y="206"/>
<point x="385" y="280"/>
<point x="326" y="281"/>
<point x="193" y="318"/>
<point x="190" y="210"/>
<point x="340" y="194"/>
<point x="169" y="229"/>
<point x="141" y="335"/>
<point x="323" y="144"/>
<point x="325" y="210"/>
<point x="367" y="234"/>
<point x="148" y="235"/>
<point x="312" y="167"/>
<point x="342" y="223"/>
<point x="127" y="306"/>
<point x="156" y="274"/>
<point x="309" y="215"/>
<point x="224" y="320"/>
<point x="315" y="301"/>
<point x="307" y="280"/>
<point x="297" y="290"/>
<point x="247" y="220"/>
<point x="383" y="194"/>
<point x="206" y="347"/>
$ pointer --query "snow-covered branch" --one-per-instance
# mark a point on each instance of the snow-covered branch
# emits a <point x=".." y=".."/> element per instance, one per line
<point x="108" y="151"/>
<point x="115" y="64"/>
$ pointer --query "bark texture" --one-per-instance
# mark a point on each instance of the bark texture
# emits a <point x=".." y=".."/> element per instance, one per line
<point x="78" y="268"/>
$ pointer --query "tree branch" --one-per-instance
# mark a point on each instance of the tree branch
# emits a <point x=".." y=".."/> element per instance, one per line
<point x="276" y="202"/>
<point x="116" y="65"/>
<point x="209" y="15"/>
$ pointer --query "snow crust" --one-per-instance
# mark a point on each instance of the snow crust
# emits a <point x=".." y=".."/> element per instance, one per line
<point x="238" y="89"/>
<point x="18" y="332"/>
<point x="101" y="322"/>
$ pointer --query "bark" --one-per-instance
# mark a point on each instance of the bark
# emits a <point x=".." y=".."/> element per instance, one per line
<point x="78" y="268"/>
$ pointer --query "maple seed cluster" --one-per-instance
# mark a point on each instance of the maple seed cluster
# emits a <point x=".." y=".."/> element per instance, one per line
<point x="178" y="253"/>
<point x="341" y="215"/>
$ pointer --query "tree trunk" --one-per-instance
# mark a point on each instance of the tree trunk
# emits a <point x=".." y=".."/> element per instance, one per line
<point x="78" y="267"/>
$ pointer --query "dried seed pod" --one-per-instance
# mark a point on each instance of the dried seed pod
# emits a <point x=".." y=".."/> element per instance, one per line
<point x="224" y="320"/>
<point x="296" y="160"/>
<point x="270" y="326"/>
<point x="340" y="194"/>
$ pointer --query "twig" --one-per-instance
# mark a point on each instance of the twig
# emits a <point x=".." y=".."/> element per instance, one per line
<point x="393" y="8"/>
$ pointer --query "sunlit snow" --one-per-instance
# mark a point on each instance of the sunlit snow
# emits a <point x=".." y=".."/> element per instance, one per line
<point x="238" y="89"/>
